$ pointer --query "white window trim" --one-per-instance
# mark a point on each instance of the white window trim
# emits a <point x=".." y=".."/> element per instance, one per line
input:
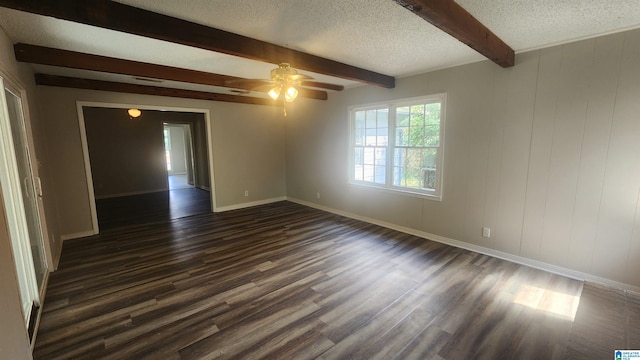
<point x="392" y="106"/>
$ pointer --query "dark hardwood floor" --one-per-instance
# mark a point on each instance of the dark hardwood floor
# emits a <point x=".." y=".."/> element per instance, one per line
<point x="153" y="207"/>
<point x="284" y="281"/>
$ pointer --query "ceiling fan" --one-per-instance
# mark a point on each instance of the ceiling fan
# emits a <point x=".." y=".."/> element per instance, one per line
<point x="285" y="83"/>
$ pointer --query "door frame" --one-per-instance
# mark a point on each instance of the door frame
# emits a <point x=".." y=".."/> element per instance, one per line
<point x="87" y="160"/>
<point x="16" y="86"/>
<point x="16" y="218"/>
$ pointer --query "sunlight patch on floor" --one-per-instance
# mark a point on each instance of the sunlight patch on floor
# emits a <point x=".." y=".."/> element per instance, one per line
<point x="554" y="302"/>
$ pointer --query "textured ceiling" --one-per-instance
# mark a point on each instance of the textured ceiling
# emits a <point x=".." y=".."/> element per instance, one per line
<point x="377" y="35"/>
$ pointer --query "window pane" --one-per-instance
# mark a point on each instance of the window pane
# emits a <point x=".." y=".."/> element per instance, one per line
<point x="417" y="116"/>
<point x="359" y="120"/>
<point x="402" y="116"/>
<point x="381" y="175"/>
<point x="358" y="137"/>
<point x="383" y="118"/>
<point x="397" y="176"/>
<point x="398" y="156"/>
<point x="358" y="172"/>
<point x="413" y="158"/>
<point x="371" y="119"/>
<point x="358" y="156"/>
<point x="414" y="168"/>
<point x="369" y="172"/>
<point x="416" y="130"/>
<point x="412" y="177"/>
<point x="402" y="136"/>
<point x="429" y="158"/>
<point x="416" y="136"/>
<point x="429" y="179"/>
<point x="369" y="156"/>
<point x="371" y="137"/>
<point x="432" y="135"/>
<point x="381" y="156"/>
<point x="383" y="137"/>
<point x="432" y="112"/>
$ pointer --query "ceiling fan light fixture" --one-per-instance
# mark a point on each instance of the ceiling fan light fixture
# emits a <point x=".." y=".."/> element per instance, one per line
<point x="274" y="93"/>
<point x="134" y="113"/>
<point x="291" y="94"/>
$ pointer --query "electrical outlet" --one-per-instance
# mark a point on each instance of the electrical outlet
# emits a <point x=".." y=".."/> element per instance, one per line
<point x="246" y="193"/>
<point x="486" y="232"/>
<point x="318" y="195"/>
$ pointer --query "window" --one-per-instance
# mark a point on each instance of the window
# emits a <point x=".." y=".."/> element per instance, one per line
<point x="398" y="146"/>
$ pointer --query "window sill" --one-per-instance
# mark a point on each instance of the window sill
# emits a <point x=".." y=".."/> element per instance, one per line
<point x="398" y="191"/>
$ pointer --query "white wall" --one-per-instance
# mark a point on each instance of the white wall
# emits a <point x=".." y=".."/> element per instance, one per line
<point x="546" y="154"/>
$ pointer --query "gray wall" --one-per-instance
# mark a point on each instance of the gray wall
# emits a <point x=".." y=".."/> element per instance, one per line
<point x="127" y="155"/>
<point x="14" y="342"/>
<point x="247" y="144"/>
<point x="545" y="153"/>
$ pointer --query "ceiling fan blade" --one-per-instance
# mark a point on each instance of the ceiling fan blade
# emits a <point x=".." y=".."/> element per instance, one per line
<point x="298" y="77"/>
<point x="313" y="94"/>
<point x="263" y="88"/>
<point x="321" y="85"/>
<point x="248" y="84"/>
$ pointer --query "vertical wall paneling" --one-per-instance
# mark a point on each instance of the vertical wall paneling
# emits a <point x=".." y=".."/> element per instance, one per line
<point x="603" y="85"/>
<point x="620" y="188"/>
<point x="515" y="153"/>
<point x="478" y="154"/>
<point x="494" y="165"/>
<point x="540" y="150"/>
<point x="565" y="151"/>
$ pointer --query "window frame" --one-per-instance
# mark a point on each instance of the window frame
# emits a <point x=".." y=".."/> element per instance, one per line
<point x="392" y="106"/>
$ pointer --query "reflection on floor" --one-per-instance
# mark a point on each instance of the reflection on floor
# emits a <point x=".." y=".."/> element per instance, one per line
<point x="178" y="182"/>
<point x="153" y="207"/>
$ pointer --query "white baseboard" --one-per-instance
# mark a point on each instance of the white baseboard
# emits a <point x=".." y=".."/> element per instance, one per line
<point x="573" y="274"/>
<point x="131" y="193"/>
<point x="249" y="204"/>
<point x="77" y="235"/>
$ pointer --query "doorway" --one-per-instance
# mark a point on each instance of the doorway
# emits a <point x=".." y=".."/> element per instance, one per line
<point x="178" y="146"/>
<point x="22" y="192"/>
<point x="127" y="162"/>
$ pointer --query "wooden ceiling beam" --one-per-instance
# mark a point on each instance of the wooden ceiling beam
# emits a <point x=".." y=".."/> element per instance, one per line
<point x="120" y="17"/>
<point x="457" y="22"/>
<point x="71" y="59"/>
<point x="77" y="83"/>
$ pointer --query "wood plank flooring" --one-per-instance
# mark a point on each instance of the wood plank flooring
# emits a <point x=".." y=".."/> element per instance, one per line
<point x="153" y="207"/>
<point x="284" y="281"/>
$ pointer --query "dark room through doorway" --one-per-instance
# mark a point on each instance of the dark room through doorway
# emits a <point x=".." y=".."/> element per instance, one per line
<point x="150" y="168"/>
